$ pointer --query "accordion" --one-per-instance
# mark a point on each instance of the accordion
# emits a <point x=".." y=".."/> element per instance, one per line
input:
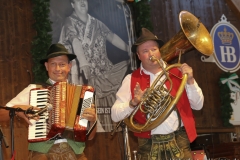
<point x="68" y="103"/>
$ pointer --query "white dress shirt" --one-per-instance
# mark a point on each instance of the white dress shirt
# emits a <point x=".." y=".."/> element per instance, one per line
<point x="23" y="97"/>
<point x="121" y="109"/>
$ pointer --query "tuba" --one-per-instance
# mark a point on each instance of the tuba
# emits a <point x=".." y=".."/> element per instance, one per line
<point x="157" y="103"/>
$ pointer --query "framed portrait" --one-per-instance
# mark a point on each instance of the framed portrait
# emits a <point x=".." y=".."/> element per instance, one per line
<point x="100" y="33"/>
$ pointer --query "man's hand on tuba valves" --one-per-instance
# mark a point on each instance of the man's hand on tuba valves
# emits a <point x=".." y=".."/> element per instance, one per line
<point x="138" y="94"/>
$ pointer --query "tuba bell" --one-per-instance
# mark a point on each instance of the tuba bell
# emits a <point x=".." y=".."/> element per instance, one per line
<point x="157" y="103"/>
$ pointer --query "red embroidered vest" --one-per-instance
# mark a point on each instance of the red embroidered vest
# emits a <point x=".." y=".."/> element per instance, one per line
<point x="183" y="105"/>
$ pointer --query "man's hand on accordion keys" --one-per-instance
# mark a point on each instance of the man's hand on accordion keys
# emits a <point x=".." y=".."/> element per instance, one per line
<point x="90" y="114"/>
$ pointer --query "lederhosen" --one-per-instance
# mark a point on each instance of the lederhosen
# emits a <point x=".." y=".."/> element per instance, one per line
<point x="183" y="108"/>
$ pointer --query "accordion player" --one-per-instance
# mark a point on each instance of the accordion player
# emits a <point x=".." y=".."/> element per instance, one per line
<point x="68" y="102"/>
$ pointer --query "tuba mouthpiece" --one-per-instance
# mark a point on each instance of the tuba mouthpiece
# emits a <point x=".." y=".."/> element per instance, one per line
<point x="152" y="58"/>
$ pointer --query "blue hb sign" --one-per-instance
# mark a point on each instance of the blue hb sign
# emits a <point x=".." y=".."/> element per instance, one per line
<point x="226" y="45"/>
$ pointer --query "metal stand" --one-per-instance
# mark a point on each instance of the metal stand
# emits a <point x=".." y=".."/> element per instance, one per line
<point x="2" y="137"/>
<point x="127" y="153"/>
<point x="126" y="142"/>
<point x="12" y="114"/>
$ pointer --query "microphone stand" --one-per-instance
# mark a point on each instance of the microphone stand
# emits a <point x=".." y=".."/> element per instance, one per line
<point x="2" y="137"/>
<point x="127" y="153"/>
<point x="11" y="115"/>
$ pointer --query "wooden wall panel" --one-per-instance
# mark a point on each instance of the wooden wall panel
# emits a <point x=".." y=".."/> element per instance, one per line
<point x="109" y="147"/>
<point x="16" y="34"/>
<point x="234" y="5"/>
<point x="19" y="139"/>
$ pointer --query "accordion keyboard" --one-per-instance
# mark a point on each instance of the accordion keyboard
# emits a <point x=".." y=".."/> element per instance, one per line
<point x="39" y="129"/>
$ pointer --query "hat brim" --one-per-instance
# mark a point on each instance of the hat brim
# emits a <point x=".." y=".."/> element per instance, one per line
<point x="56" y="54"/>
<point x="134" y="46"/>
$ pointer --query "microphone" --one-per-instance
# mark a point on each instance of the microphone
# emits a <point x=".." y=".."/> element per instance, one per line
<point x="30" y="76"/>
<point x="48" y="107"/>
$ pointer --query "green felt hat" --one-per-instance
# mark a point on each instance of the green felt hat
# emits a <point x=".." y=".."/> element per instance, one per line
<point x="57" y="50"/>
